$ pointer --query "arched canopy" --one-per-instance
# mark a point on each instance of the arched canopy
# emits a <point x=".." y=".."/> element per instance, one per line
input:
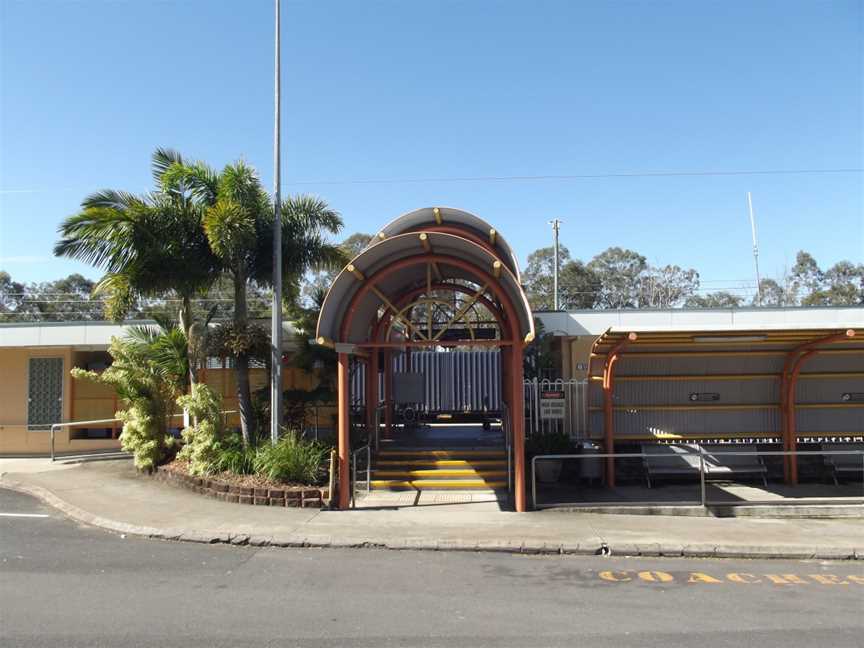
<point x="454" y="221"/>
<point x="399" y="263"/>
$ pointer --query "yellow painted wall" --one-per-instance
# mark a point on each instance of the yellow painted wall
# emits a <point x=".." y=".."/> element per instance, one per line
<point x="578" y="351"/>
<point x="15" y="438"/>
<point x="84" y="400"/>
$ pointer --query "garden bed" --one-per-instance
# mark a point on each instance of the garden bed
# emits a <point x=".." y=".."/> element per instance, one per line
<point x="243" y="489"/>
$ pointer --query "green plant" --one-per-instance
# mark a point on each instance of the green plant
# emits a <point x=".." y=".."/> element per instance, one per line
<point x="148" y="372"/>
<point x="292" y="459"/>
<point x="235" y="457"/>
<point x="204" y="439"/>
<point x="548" y="443"/>
<point x="238" y="224"/>
<point x="147" y="245"/>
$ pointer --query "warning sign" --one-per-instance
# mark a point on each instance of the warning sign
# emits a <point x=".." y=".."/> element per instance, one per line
<point x="552" y="405"/>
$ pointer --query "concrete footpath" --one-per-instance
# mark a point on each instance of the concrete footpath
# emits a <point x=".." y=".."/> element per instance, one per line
<point x="111" y="495"/>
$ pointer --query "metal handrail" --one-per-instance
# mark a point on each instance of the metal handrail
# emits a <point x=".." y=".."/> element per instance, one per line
<point x="368" y="450"/>
<point x="505" y="422"/>
<point x="57" y="426"/>
<point x="701" y="453"/>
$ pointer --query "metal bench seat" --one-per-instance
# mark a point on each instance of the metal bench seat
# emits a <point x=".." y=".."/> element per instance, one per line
<point x="843" y="464"/>
<point x="684" y="459"/>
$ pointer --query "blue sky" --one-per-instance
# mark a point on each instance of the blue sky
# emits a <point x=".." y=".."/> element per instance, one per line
<point x="415" y="90"/>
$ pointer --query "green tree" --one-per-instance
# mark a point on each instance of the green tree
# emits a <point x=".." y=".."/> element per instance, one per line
<point x="238" y="224"/>
<point x="67" y="299"/>
<point x="322" y="280"/>
<point x="773" y="295"/>
<point x="148" y="246"/>
<point x="666" y="287"/>
<point x="806" y="277"/>
<point x="619" y="272"/>
<point x="11" y="294"/>
<point x="843" y="286"/>
<point x="719" y="299"/>
<point x="538" y="275"/>
<point x="577" y="286"/>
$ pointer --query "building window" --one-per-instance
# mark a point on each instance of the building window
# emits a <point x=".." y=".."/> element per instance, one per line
<point x="45" y="393"/>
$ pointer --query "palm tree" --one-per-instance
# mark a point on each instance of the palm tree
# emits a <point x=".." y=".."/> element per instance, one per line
<point x="238" y="223"/>
<point x="147" y="245"/>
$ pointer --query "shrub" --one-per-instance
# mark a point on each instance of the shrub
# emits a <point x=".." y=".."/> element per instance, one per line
<point x="292" y="459"/>
<point x="548" y="443"/>
<point x="148" y="371"/>
<point x="143" y="436"/>
<point x="235" y="457"/>
<point x="205" y="439"/>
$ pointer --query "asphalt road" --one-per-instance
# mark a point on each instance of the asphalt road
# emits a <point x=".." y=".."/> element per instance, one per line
<point x="62" y="584"/>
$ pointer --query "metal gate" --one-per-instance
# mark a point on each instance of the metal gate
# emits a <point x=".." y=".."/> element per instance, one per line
<point x="572" y="421"/>
<point x="454" y="381"/>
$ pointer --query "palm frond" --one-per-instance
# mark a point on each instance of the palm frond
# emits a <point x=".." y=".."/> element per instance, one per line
<point x="163" y="159"/>
<point x="114" y="199"/>
<point x="311" y="213"/>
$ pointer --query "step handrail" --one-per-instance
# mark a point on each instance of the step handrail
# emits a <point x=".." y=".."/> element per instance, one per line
<point x="368" y="450"/>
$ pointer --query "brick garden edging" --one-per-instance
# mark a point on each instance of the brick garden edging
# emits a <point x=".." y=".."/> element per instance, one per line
<point x="290" y="496"/>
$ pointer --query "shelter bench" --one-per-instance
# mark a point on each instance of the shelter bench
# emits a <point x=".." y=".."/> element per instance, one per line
<point x="683" y="459"/>
<point x="843" y="464"/>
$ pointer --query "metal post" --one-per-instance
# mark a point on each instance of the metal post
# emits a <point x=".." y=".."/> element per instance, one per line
<point x="555" y="224"/>
<point x="534" y="483"/>
<point x="344" y="433"/>
<point x="52" y="441"/>
<point x="517" y="422"/>
<point x="276" y="316"/>
<point x="755" y="250"/>
<point x="702" y="473"/>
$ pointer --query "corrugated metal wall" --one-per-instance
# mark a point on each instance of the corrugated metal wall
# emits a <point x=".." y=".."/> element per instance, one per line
<point x="745" y="405"/>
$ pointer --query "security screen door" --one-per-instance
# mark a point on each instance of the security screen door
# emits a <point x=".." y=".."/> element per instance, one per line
<point x="45" y="393"/>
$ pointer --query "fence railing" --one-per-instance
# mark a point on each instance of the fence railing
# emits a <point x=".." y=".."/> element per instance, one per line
<point x="58" y="426"/>
<point x="701" y="464"/>
<point x="573" y="423"/>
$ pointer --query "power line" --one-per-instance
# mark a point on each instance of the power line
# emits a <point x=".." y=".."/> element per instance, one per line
<point x="583" y="176"/>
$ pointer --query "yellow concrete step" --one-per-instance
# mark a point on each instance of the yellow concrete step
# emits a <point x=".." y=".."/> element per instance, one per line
<point x="435" y="484"/>
<point x="444" y="463"/>
<point x="444" y="454"/>
<point x="436" y="474"/>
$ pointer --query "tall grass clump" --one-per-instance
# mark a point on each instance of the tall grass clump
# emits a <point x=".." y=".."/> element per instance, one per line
<point x="292" y="459"/>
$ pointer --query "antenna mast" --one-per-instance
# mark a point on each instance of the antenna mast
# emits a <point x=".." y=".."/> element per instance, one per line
<point x="556" y="264"/>
<point x="755" y="250"/>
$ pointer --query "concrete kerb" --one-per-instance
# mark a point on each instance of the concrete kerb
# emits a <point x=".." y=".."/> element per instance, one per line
<point x="514" y="546"/>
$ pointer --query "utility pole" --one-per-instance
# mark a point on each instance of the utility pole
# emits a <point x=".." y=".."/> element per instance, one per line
<point x="755" y="250"/>
<point x="555" y="224"/>
<point x="276" y="316"/>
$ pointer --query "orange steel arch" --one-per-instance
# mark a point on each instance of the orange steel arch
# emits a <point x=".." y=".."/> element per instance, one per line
<point x="403" y="301"/>
<point x="476" y="259"/>
<point x="422" y="259"/>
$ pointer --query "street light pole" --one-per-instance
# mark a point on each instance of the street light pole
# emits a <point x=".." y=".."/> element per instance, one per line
<point x="276" y="316"/>
<point x="555" y="224"/>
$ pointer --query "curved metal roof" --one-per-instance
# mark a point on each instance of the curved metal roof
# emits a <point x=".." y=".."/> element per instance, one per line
<point x="432" y="217"/>
<point x="408" y="251"/>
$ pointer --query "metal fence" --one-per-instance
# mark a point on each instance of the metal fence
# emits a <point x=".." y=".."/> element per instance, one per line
<point x="850" y="461"/>
<point x="574" y="419"/>
<point x="454" y="381"/>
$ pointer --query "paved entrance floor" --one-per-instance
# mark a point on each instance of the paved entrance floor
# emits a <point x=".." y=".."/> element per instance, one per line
<point x="454" y="500"/>
<point x="444" y="436"/>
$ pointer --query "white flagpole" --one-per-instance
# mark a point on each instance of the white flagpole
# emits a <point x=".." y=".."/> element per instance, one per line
<point x="276" y="319"/>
